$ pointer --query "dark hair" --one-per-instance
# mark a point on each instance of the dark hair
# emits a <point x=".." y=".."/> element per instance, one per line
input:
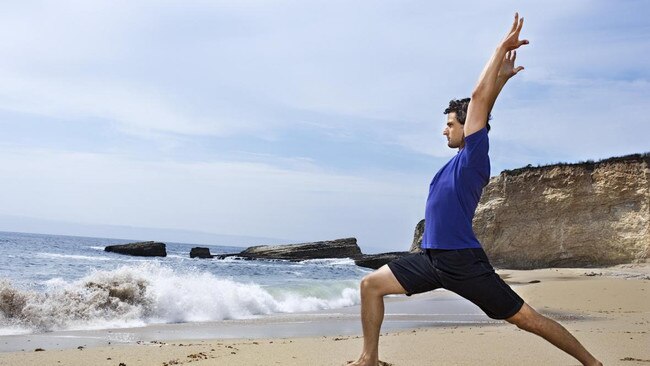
<point x="459" y="106"/>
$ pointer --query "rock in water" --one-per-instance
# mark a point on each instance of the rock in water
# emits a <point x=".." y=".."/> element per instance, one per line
<point x="375" y="261"/>
<point x="339" y="248"/>
<point x="141" y="249"/>
<point x="567" y="215"/>
<point x="199" y="252"/>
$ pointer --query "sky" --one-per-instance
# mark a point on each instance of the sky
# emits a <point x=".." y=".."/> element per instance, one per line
<point x="294" y="120"/>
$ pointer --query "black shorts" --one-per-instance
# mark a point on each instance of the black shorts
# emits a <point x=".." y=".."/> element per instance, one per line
<point x="466" y="272"/>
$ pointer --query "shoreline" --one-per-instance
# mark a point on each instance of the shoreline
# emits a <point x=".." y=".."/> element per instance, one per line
<point x="401" y="313"/>
<point x="607" y="309"/>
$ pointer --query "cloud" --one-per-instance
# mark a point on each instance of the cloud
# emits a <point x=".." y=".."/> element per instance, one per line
<point x="226" y="69"/>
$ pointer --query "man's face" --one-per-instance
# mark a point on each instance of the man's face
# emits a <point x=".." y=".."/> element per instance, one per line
<point x="454" y="132"/>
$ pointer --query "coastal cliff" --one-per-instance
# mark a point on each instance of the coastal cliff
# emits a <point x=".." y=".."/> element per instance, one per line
<point x="584" y="214"/>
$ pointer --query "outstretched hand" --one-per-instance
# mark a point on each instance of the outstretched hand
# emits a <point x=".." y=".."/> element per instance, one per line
<point x="498" y="70"/>
<point x="508" y="68"/>
<point x="509" y="44"/>
<point x="511" y="40"/>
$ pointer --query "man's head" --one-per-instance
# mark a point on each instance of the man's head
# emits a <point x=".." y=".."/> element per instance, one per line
<point x="456" y="116"/>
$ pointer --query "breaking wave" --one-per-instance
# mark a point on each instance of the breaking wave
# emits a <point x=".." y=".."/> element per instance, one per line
<point x="136" y="295"/>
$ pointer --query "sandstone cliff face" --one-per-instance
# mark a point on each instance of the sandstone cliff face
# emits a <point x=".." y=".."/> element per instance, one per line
<point x="586" y="214"/>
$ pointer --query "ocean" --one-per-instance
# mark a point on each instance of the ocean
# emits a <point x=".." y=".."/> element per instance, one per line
<point x="58" y="283"/>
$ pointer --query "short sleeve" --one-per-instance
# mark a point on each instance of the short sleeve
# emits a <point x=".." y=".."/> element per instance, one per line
<point x="476" y="149"/>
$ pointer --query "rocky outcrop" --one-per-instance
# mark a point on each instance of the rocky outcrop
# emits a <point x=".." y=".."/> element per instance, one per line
<point x="339" y="248"/>
<point x="375" y="261"/>
<point x="585" y="214"/>
<point x="417" y="237"/>
<point x="199" y="252"/>
<point x="140" y="249"/>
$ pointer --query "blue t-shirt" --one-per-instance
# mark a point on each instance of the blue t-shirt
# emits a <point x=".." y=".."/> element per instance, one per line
<point x="454" y="194"/>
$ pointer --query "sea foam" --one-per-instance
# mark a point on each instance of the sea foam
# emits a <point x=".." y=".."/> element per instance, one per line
<point x="144" y="293"/>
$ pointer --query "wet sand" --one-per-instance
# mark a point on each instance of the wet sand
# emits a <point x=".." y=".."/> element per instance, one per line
<point x="607" y="309"/>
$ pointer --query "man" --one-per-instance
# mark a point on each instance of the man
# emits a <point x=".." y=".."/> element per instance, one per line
<point x="451" y="256"/>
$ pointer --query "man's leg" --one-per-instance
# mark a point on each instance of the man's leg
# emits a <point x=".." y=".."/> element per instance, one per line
<point x="373" y="289"/>
<point x="530" y="320"/>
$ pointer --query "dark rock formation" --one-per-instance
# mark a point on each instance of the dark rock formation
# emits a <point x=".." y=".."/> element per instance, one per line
<point x="567" y="215"/>
<point x="375" y="261"/>
<point x="339" y="248"/>
<point x="141" y="249"/>
<point x="199" y="252"/>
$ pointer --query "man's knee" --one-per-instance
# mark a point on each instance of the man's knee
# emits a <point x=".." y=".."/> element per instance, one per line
<point x="527" y="319"/>
<point x="381" y="282"/>
<point x="370" y="283"/>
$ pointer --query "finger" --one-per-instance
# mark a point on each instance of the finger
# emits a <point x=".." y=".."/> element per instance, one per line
<point x="522" y="42"/>
<point x="520" y="25"/>
<point x="519" y="68"/>
<point x="514" y="24"/>
<point x="514" y="55"/>
<point x="508" y="56"/>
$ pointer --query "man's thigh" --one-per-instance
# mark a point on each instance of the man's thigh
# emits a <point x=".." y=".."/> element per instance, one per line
<point x="469" y="274"/>
<point x="415" y="273"/>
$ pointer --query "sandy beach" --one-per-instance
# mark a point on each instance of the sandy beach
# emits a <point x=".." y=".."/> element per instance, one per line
<point x="607" y="309"/>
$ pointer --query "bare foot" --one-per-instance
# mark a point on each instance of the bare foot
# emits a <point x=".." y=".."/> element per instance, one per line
<point x="363" y="363"/>
<point x="356" y="363"/>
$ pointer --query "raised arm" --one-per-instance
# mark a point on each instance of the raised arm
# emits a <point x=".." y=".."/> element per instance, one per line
<point x="498" y="70"/>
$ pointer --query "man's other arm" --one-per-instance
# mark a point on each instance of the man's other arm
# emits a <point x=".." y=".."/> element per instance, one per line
<point x="498" y="70"/>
